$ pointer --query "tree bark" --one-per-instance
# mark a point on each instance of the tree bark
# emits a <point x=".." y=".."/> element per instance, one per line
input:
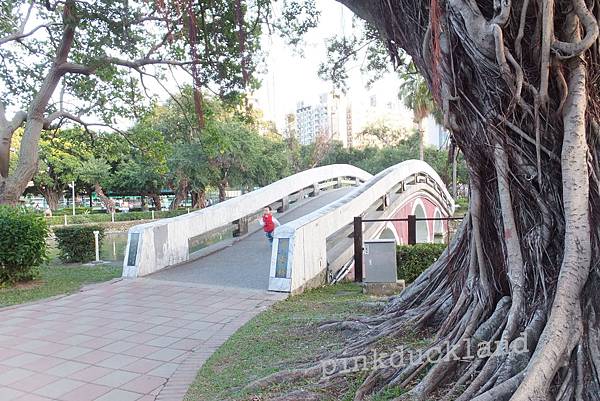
<point x="156" y="202"/>
<point x="180" y="193"/>
<point x="454" y="172"/>
<point x="421" y="140"/>
<point x="11" y="187"/>
<point x="516" y="83"/>
<point x="198" y="199"/>
<point x="222" y="185"/>
<point x="52" y="197"/>
<point x="108" y="203"/>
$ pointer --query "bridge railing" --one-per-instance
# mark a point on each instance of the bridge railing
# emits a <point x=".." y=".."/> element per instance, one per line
<point x="163" y="243"/>
<point x="299" y="256"/>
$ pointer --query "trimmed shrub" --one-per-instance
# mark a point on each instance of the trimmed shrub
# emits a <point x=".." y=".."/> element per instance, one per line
<point x="76" y="243"/>
<point x="69" y="211"/>
<point x="106" y="218"/>
<point x="414" y="259"/>
<point x="22" y="244"/>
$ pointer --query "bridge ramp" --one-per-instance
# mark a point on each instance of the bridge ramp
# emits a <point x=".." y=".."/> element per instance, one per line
<point x="246" y="263"/>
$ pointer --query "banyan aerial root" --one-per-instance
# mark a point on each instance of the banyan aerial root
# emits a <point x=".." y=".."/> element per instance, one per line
<point x="512" y="305"/>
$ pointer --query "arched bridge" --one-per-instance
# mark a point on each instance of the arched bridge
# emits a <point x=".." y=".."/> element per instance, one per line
<point x="314" y="243"/>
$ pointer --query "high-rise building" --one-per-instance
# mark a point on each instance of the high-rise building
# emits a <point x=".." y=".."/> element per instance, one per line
<point x="328" y="119"/>
<point x="291" y="126"/>
<point x="312" y="122"/>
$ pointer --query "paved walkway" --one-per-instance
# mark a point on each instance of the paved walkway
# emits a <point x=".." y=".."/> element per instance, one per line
<point x="142" y="339"/>
<point x="131" y="340"/>
<point x="245" y="264"/>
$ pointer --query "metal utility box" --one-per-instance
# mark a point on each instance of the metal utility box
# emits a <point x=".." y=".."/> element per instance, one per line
<point x="379" y="257"/>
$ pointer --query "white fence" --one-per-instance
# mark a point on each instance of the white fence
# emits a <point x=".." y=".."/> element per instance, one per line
<point x="300" y="249"/>
<point x="160" y="244"/>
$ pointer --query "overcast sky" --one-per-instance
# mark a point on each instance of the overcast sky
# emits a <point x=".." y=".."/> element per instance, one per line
<point x="291" y="78"/>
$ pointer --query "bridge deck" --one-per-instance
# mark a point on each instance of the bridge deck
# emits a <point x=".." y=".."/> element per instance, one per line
<point x="246" y="263"/>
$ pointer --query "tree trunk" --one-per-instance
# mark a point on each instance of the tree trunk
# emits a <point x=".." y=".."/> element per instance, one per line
<point x="454" y="167"/>
<point x="108" y="203"/>
<point x="198" y="199"/>
<point x="156" y="202"/>
<point x="516" y="82"/>
<point x="222" y="187"/>
<point x="180" y="193"/>
<point x="5" y="140"/>
<point x="421" y="140"/>
<point x="52" y="196"/>
<point x="144" y="205"/>
<point x="13" y="186"/>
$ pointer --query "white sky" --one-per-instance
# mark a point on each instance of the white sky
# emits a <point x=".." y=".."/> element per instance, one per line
<point x="291" y="78"/>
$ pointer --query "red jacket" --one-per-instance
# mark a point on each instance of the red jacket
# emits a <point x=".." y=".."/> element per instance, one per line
<point x="269" y="225"/>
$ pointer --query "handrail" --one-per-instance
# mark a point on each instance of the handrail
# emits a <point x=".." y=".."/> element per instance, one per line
<point x="300" y="252"/>
<point x="163" y="243"/>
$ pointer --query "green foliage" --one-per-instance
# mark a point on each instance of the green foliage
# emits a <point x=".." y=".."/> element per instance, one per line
<point x="94" y="171"/>
<point x="77" y="243"/>
<point x="282" y="337"/>
<point x="415" y="93"/>
<point x="78" y="210"/>
<point x="375" y="160"/>
<point x="60" y="157"/>
<point x="22" y="244"/>
<point x="414" y="259"/>
<point x="105" y="218"/>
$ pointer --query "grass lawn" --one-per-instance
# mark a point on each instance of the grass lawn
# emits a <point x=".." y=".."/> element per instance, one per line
<point x="56" y="279"/>
<point x="285" y="336"/>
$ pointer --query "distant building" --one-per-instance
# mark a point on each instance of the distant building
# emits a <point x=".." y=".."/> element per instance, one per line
<point x="435" y="134"/>
<point x="328" y="118"/>
<point x="291" y="126"/>
<point x="378" y="108"/>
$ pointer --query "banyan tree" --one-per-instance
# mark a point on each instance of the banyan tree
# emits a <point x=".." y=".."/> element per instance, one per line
<point x="517" y="84"/>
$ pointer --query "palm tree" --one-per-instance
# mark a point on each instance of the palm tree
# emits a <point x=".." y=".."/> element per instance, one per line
<point x="417" y="97"/>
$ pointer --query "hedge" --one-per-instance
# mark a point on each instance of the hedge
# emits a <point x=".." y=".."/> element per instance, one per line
<point x="106" y="217"/>
<point x="77" y="243"/>
<point x="414" y="259"/>
<point x="22" y="244"/>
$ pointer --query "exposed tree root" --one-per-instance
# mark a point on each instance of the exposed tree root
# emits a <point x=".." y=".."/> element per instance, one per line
<point x="513" y="302"/>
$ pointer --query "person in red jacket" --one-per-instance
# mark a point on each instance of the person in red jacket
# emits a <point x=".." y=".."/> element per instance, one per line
<point x="268" y="223"/>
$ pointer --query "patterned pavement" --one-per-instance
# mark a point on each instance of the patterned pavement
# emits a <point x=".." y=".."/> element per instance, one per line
<point x="128" y="340"/>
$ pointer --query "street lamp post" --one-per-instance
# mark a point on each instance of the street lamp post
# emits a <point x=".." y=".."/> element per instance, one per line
<point x="72" y="185"/>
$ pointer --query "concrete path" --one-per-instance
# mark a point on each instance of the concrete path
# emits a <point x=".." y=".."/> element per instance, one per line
<point x="246" y="263"/>
<point x="130" y="340"/>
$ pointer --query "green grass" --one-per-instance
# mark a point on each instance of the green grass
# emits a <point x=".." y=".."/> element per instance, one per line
<point x="282" y="337"/>
<point x="57" y="279"/>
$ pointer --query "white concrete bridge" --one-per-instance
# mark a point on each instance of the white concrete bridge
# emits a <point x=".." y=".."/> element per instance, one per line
<point x="315" y="243"/>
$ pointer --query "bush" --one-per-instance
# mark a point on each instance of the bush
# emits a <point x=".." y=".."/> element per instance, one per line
<point x="76" y="243"/>
<point x="69" y="211"/>
<point x="414" y="259"/>
<point x="22" y="244"/>
<point x="107" y="218"/>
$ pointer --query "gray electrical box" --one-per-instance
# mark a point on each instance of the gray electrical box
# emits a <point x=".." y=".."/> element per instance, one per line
<point x="379" y="257"/>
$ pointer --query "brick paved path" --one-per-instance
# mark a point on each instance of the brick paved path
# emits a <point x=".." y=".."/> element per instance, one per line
<point x="128" y="340"/>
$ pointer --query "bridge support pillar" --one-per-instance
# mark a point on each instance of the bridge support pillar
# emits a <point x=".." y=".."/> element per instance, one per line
<point x="285" y="204"/>
<point x="385" y="202"/>
<point x="358" y="249"/>
<point x="412" y="229"/>
<point x="338" y="182"/>
<point x="242" y="227"/>
<point x="401" y="188"/>
<point x="315" y="190"/>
